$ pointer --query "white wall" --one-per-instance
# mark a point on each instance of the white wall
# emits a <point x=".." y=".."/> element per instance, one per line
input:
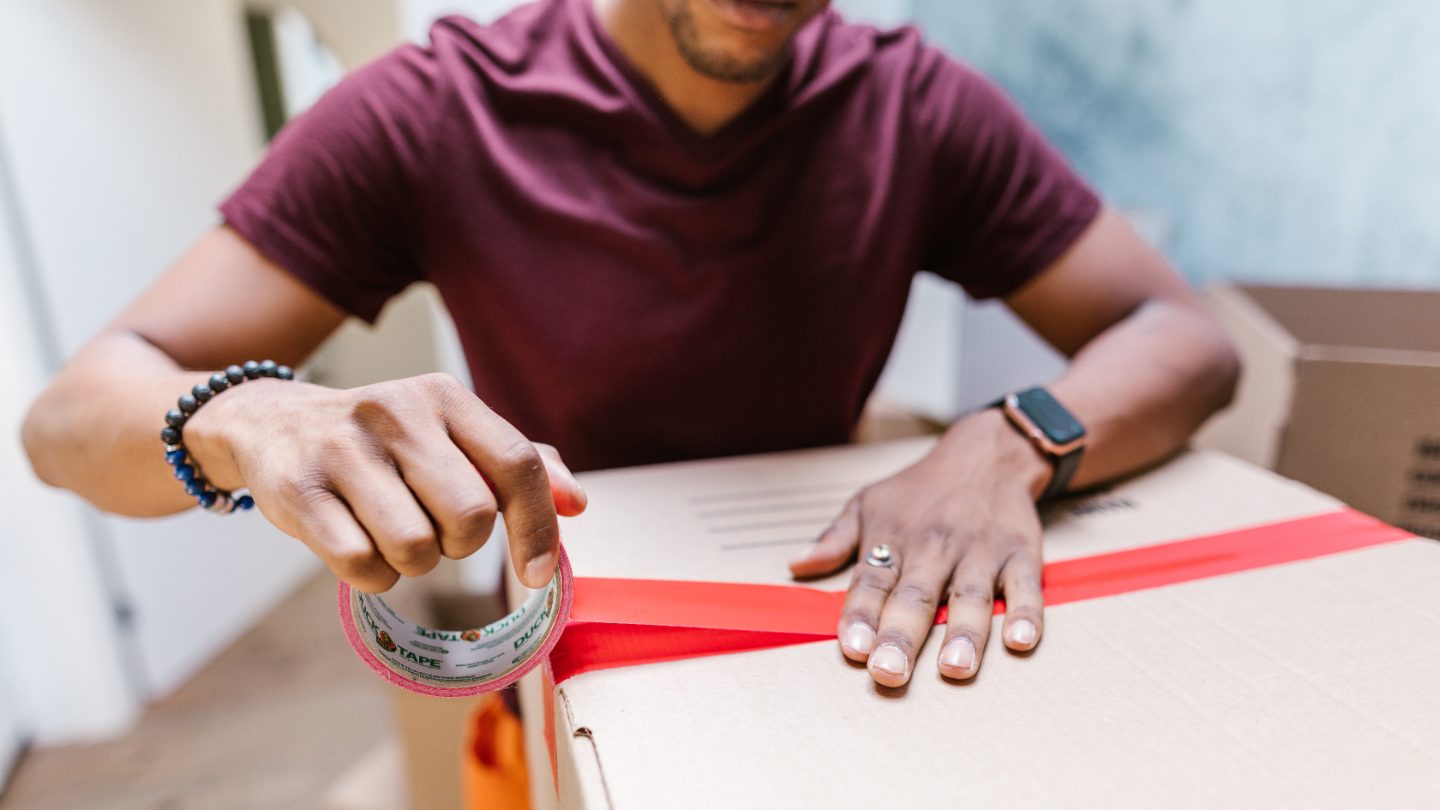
<point x="65" y="674"/>
<point x="125" y="124"/>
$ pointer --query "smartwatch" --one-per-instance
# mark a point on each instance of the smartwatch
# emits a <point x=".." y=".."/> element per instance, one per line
<point x="1057" y="434"/>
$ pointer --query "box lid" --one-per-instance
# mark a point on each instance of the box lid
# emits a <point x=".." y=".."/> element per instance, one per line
<point x="1308" y="683"/>
<point x="1368" y="325"/>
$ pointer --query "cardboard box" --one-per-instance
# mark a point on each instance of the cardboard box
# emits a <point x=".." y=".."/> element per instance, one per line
<point x="1305" y="684"/>
<point x="1341" y="391"/>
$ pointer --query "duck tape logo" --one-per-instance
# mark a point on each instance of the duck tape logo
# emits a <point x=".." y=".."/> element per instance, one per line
<point x="383" y="639"/>
<point x="525" y="638"/>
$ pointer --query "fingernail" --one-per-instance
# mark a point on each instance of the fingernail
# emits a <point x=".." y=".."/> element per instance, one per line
<point x="809" y="552"/>
<point x="888" y="658"/>
<point x="539" y="570"/>
<point x="959" y="654"/>
<point x="1022" y="632"/>
<point x="859" y="638"/>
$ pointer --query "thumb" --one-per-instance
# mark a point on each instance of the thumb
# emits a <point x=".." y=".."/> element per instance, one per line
<point x="570" y="499"/>
<point x="834" y="548"/>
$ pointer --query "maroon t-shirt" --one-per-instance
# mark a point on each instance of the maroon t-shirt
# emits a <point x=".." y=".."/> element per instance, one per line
<point x="629" y="290"/>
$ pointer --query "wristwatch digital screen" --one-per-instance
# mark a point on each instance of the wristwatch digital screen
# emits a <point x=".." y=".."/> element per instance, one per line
<point x="1052" y="429"/>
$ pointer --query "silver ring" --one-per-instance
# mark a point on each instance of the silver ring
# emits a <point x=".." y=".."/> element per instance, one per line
<point x="880" y="556"/>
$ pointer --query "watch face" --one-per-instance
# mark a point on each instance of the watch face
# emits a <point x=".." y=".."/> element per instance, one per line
<point x="1050" y="416"/>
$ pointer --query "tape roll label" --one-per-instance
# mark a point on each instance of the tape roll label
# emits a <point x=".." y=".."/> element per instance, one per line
<point x="455" y="658"/>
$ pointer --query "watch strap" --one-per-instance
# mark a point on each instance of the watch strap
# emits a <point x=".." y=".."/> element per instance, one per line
<point x="1064" y="470"/>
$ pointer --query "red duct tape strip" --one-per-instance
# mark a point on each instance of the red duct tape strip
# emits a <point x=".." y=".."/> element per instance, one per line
<point x="625" y="622"/>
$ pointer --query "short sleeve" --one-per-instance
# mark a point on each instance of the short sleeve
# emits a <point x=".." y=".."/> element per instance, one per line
<point x="332" y="202"/>
<point x="1005" y="203"/>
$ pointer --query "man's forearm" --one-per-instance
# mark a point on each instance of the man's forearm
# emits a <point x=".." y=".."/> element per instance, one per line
<point x="96" y="429"/>
<point x="1143" y="386"/>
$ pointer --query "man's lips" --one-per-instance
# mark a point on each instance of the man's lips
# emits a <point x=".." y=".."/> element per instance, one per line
<point x="756" y="15"/>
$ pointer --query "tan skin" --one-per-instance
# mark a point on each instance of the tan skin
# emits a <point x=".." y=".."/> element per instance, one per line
<point x="382" y="481"/>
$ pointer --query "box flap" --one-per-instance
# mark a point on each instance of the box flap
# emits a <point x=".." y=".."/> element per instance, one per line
<point x="1396" y="320"/>
<point x="1252" y="427"/>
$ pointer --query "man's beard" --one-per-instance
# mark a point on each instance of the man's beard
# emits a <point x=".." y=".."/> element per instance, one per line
<point x="715" y="64"/>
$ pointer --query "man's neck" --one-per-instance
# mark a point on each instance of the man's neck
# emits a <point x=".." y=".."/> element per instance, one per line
<point x="639" y="28"/>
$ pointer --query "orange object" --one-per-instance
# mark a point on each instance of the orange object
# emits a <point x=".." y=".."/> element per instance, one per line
<point x="492" y="767"/>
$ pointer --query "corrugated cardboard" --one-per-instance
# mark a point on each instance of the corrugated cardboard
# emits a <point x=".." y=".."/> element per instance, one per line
<point x="1310" y="684"/>
<point x="1340" y="391"/>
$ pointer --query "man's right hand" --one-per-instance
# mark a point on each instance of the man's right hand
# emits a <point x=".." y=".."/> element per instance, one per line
<point x="381" y="481"/>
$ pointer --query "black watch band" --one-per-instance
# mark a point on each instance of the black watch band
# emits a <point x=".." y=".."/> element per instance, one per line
<point x="1065" y="467"/>
<point x="1055" y="433"/>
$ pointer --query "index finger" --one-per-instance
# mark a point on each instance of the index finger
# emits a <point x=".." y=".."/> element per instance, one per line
<point x="522" y="485"/>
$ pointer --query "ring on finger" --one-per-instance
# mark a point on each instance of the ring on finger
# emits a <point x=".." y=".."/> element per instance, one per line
<point x="881" y="556"/>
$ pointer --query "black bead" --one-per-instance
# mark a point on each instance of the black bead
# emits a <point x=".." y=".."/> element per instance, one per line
<point x="252" y="369"/>
<point x="202" y="393"/>
<point x="219" y="382"/>
<point x="175" y="418"/>
<point x="188" y="403"/>
<point x="235" y="374"/>
<point x="284" y="373"/>
<point x="170" y="436"/>
<point x="267" y="368"/>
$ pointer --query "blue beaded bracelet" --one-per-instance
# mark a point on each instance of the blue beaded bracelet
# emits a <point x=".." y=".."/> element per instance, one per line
<point x="187" y="470"/>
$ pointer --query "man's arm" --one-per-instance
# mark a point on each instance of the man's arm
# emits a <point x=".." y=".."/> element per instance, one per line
<point x="95" y="429"/>
<point x="1150" y="363"/>
<point x="1149" y="366"/>
<point x="379" y="481"/>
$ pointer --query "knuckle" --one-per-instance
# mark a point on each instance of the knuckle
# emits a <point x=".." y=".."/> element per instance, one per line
<point x="914" y="595"/>
<point x="384" y="410"/>
<point x="868" y="585"/>
<point x="351" y="564"/>
<point x="411" y="544"/>
<point x="441" y="382"/>
<point x="475" y="518"/>
<point x="1025" y="580"/>
<point x="1013" y="539"/>
<point x="855" y="613"/>
<point x="1031" y="613"/>
<point x="521" y="461"/>
<point x="302" y="492"/>
<point x="972" y="592"/>
<point x="542" y="535"/>
<point x="936" y="535"/>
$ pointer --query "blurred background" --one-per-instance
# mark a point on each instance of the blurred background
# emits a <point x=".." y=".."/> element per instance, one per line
<point x="191" y="662"/>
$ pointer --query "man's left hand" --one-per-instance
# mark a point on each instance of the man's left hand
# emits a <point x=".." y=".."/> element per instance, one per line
<point x="961" y="525"/>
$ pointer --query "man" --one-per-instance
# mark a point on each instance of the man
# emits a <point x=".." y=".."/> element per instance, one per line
<point x="665" y="229"/>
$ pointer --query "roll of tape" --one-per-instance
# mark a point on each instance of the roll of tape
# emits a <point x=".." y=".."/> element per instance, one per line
<point x="457" y="663"/>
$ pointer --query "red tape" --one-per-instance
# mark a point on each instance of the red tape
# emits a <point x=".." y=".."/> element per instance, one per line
<point x="626" y="622"/>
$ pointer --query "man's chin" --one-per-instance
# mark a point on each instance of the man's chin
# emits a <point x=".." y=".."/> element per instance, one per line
<point x="729" y="67"/>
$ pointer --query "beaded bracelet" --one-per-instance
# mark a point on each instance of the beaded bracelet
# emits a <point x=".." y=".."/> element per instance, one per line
<point x="187" y="471"/>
